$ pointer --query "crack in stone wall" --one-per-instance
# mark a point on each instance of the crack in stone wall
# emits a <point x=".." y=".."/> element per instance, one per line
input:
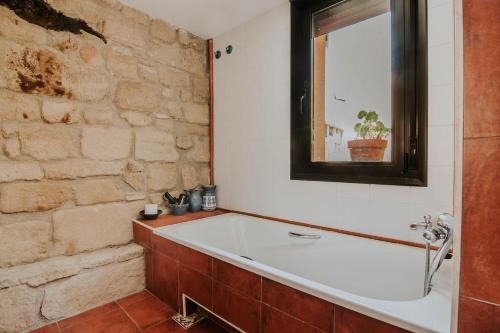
<point x="41" y="13"/>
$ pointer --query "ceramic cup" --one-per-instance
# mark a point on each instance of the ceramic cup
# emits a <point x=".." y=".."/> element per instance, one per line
<point x="151" y="209"/>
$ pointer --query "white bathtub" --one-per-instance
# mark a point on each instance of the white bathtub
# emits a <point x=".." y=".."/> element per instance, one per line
<point x="379" y="279"/>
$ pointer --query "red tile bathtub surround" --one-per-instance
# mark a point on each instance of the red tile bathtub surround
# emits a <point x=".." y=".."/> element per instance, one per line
<point x="347" y="321"/>
<point x="142" y="235"/>
<point x="305" y="307"/>
<point x="274" y="321"/>
<point x="148" y="261"/>
<point x="235" y="302"/>
<point x="242" y="311"/>
<point x="165" y="220"/>
<point x="165" y="282"/>
<point x="245" y="299"/>
<point x="480" y="267"/>
<point x="240" y="279"/>
<point x="195" y="285"/>
<point x="481" y="68"/>
<point x="195" y="260"/>
<point x="164" y="246"/>
<point x="476" y="316"/>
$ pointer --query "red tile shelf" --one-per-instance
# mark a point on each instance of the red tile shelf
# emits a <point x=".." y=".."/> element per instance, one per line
<point x="165" y="220"/>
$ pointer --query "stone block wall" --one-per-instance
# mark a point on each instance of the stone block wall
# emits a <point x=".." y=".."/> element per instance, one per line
<point x="90" y="132"/>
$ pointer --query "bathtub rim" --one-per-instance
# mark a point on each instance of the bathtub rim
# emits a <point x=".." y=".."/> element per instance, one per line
<point x="424" y="307"/>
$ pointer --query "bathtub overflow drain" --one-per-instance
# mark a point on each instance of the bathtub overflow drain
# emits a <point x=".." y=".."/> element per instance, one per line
<point x="246" y="257"/>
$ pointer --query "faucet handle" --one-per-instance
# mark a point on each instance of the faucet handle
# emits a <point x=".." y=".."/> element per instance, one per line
<point x="425" y="225"/>
<point x="416" y="226"/>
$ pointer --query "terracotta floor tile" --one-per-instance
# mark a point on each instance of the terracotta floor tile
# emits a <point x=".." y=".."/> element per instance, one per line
<point x="52" y="328"/>
<point x="88" y="315"/>
<point x="170" y="326"/>
<point x="148" y="311"/>
<point x="131" y="299"/>
<point x="112" y="322"/>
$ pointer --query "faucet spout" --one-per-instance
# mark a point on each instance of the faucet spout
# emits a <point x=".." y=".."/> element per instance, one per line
<point x="443" y="230"/>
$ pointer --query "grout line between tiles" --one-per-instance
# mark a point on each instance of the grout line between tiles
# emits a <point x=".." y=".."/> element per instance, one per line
<point x="290" y="316"/>
<point x="261" y="298"/>
<point x="137" y="301"/>
<point x="129" y="317"/>
<point x="481" y="301"/>
<point x="334" y="309"/>
<point x="142" y="224"/>
<point x="83" y="312"/>
<point x="157" y="324"/>
<point x="179" y="301"/>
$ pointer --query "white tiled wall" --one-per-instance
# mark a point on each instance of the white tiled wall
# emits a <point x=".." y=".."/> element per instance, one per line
<point x="252" y="136"/>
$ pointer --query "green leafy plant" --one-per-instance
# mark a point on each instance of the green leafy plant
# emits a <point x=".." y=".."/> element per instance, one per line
<point x="370" y="127"/>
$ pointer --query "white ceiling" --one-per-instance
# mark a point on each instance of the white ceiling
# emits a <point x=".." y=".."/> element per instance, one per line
<point x="205" y="18"/>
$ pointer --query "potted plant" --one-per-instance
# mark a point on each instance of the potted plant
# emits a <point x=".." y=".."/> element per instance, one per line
<point x="371" y="138"/>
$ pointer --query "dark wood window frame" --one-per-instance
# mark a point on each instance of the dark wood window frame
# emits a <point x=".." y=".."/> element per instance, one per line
<point x="409" y="100"/>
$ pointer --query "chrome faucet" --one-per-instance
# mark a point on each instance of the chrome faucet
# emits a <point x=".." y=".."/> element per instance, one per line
<point x="442" y="231"/>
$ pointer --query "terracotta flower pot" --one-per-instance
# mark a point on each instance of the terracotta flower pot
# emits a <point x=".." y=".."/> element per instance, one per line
<point x="367" y="150"/>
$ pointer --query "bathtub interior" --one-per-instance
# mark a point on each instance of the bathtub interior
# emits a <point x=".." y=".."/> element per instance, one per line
<point x="363" y="267"/>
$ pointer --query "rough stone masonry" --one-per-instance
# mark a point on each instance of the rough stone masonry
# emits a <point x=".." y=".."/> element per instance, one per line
<point x="89" y="133"/>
